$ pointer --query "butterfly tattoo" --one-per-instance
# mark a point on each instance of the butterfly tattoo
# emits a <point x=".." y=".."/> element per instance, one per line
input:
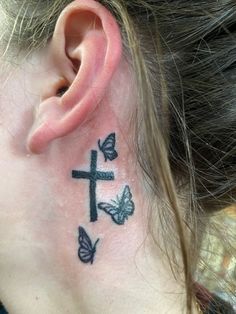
<point x="108" y="147"/>
<point x="121" y="209"/>
<point x="87" y="250"/>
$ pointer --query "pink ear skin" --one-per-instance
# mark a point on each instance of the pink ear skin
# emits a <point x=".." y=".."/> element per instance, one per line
<point x="86" y="34"/>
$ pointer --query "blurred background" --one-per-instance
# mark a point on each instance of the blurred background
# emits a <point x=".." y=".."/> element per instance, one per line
<point x="217" y="270"/>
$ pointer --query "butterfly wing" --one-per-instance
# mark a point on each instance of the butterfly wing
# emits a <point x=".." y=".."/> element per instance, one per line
<point x="111" y="155"/>
<point x="85" y="255"/>
<point x="86" y="250"/>
<point x="113" y="211"/>
<point x="126" y="203"/>
<point x="108" y="147"/>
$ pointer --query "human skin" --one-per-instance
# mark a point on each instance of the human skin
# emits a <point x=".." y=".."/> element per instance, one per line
<point x="43" y="138"/>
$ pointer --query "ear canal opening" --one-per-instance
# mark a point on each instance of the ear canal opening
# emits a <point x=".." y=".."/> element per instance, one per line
<point x="62" y="90"/>
<point x="76" y="65"/>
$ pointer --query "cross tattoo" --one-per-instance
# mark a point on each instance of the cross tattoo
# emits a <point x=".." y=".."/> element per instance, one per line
<point x="93" y="176"/>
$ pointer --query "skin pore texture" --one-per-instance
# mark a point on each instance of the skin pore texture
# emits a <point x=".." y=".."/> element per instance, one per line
<point x="54" y="256"/>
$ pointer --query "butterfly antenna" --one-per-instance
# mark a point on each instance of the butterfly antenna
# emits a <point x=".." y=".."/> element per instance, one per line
<point x="95" y="244"/>
<point x="99" y="144"/>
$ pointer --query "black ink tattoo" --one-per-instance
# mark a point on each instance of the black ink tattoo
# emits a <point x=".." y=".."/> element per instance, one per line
<point x="93" y="176"/>
<point x="108" y="147"/>
<point x="86" y="250"/>
<point x="121" y="209"/>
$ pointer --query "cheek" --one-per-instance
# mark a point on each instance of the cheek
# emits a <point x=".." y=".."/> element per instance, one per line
<point x="15" y="120"/>
<point x="17" y="101"/>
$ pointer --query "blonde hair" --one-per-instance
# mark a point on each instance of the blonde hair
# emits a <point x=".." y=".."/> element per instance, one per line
<point x="183" y="55"/>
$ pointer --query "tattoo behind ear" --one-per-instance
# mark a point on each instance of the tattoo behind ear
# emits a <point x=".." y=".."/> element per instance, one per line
<point x="108" y="147"/>
<point x="119" y="209"/>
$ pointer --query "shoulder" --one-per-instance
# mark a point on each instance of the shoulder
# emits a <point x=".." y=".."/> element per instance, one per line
<point x="211" y="303"/>
<point x="2" y="310"/>
<point x="219" y="306"/>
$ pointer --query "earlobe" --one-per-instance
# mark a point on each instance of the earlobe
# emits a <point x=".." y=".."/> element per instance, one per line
<point x="86" y="49"/>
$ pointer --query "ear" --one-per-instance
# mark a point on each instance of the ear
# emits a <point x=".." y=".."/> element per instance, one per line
<point x="85" y="51"/>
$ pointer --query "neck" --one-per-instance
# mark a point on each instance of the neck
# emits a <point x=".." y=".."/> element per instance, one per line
<point x="121" y="272"/>
<point x="124" y="278"/>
